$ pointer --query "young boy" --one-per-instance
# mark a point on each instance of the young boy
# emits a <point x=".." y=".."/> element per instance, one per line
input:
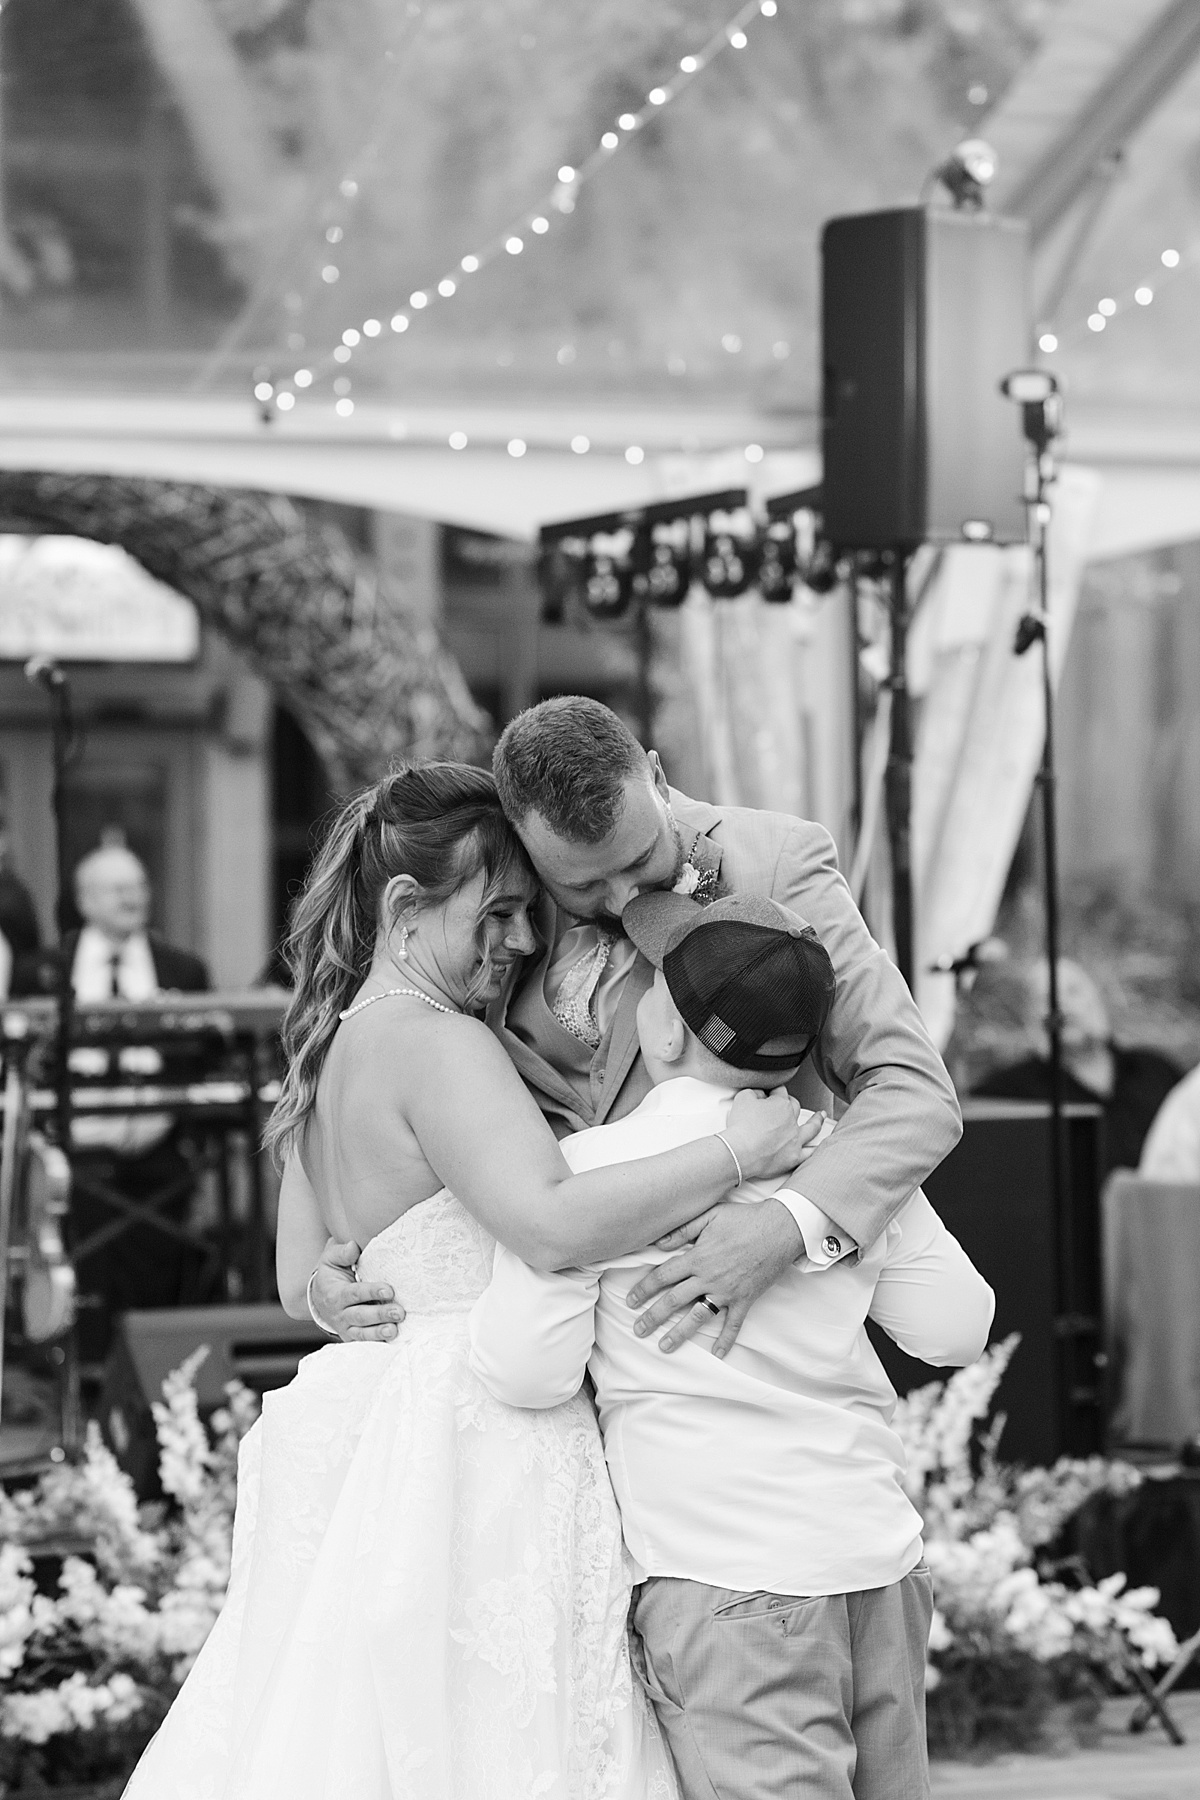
<point x="783" y="1608"/>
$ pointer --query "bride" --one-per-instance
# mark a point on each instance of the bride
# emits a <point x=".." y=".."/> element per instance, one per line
<point x="429" y="1590"/>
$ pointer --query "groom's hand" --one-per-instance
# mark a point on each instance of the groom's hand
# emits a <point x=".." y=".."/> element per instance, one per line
<point x="359" y="1311"/>
<point x="739" y="1252"/>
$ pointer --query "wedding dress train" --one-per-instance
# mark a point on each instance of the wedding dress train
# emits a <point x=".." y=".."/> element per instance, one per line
<point x="429" y="1589"/>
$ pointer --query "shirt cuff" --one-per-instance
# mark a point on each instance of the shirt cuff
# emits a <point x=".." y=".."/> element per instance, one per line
<point x="824" y="1242"/>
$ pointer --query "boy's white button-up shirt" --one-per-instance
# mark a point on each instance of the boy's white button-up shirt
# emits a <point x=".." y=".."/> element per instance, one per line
<point x="775" y="1468"/>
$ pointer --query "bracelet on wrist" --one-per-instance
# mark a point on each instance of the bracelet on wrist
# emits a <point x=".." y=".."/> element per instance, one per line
<point x="313" y="1313"/>
<point x="722" y="1139"/>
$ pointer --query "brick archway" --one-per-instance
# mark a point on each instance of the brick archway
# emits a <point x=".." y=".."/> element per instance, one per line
<point x="367" y="683"/>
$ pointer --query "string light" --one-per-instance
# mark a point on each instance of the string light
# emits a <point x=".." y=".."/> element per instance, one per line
<point x="458" y="440"/>
<point x="1142" y="295"/>
<point x="635" y="454"/>
<point x="581" y="445"/>
<point x="561" y="199"/>
<point x="516" y="446"/>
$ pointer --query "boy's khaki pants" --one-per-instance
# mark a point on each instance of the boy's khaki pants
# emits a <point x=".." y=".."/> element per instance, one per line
<point x="766" y="1696"/>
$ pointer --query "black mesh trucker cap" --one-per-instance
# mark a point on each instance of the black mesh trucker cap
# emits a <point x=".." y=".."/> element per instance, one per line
<point x="750" y="979"/>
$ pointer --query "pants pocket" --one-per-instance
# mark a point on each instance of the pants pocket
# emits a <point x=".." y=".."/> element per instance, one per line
<point x="760" y="1605"/>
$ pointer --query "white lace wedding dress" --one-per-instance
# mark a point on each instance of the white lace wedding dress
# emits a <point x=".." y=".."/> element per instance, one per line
<point x="429" y="1589"/>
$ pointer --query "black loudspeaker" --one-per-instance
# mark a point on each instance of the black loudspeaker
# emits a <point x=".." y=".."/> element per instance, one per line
<point x="259" y="1345"/>
<point x="993" y="1191"/>
<point x="923" y="313"/>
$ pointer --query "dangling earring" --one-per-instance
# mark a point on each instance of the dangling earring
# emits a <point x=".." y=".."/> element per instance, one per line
<point x="402" y="951"/>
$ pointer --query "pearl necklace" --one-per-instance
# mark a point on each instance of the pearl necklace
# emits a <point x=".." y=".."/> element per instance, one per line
<point x="389" y="994"/>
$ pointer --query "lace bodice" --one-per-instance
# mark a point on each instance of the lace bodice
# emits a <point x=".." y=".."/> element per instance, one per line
<point x="435" y="1255"/>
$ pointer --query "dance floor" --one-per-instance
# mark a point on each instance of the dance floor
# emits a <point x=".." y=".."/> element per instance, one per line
<point x="1122" y="1768"/>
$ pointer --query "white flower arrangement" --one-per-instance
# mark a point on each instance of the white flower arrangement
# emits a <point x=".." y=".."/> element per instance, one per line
<point x="96" y="1662"/>
<point x="997" y="1610"/>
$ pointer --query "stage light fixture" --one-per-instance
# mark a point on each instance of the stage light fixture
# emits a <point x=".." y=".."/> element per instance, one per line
<point x="967" y="172"/>
<point x="1029" y="387"/>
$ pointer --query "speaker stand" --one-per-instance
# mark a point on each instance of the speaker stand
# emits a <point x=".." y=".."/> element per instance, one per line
<point x="1041" y="422"/>
<point x="898" y="780"/>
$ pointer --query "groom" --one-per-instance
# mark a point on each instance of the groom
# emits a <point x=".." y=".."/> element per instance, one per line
<point x="601" y="824"/>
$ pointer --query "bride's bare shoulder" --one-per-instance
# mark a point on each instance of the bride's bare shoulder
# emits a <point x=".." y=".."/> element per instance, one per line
<point x="415" y="1039"/>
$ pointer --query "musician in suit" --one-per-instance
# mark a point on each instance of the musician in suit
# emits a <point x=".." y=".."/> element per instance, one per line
<point x="115" y="956"/>
<point x="601" y="824"/>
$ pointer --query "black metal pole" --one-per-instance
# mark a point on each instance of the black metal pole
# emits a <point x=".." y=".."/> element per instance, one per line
<point x="60" y="696"/>
<point x="899" y="773"/>
<point x="1060" y="1161"/>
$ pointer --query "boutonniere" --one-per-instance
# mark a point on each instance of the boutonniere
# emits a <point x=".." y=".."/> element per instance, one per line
<point x="696" y="884"/>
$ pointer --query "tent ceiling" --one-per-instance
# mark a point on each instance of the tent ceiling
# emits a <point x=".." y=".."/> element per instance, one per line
<point x="1149" y="458"/>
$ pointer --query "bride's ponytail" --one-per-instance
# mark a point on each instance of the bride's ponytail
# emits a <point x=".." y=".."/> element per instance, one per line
<point x="328" y="951"/>
<point x="438" y="822"/>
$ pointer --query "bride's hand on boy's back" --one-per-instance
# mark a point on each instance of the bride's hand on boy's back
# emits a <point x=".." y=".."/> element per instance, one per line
<point x="765" y="1132"/>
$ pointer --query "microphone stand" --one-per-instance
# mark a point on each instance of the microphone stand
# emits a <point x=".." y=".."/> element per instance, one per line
<point x="1036" y="391"/>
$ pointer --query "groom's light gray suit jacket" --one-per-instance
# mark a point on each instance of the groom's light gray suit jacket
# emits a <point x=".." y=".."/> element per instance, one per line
<point x="874" y="1052"/>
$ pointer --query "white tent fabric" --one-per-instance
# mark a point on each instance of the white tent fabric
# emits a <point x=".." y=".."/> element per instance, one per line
<point x="1149" y="462"/>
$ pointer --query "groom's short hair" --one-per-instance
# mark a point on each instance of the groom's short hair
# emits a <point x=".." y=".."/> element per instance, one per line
<point x="568" y="760"/>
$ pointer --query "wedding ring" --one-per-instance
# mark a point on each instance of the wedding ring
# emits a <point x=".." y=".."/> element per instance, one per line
<point x="712" y="1306"/>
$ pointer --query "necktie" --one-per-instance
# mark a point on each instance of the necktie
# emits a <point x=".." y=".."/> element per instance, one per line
<point x="575" y="1005"/>
<point x="114" y="974"/>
